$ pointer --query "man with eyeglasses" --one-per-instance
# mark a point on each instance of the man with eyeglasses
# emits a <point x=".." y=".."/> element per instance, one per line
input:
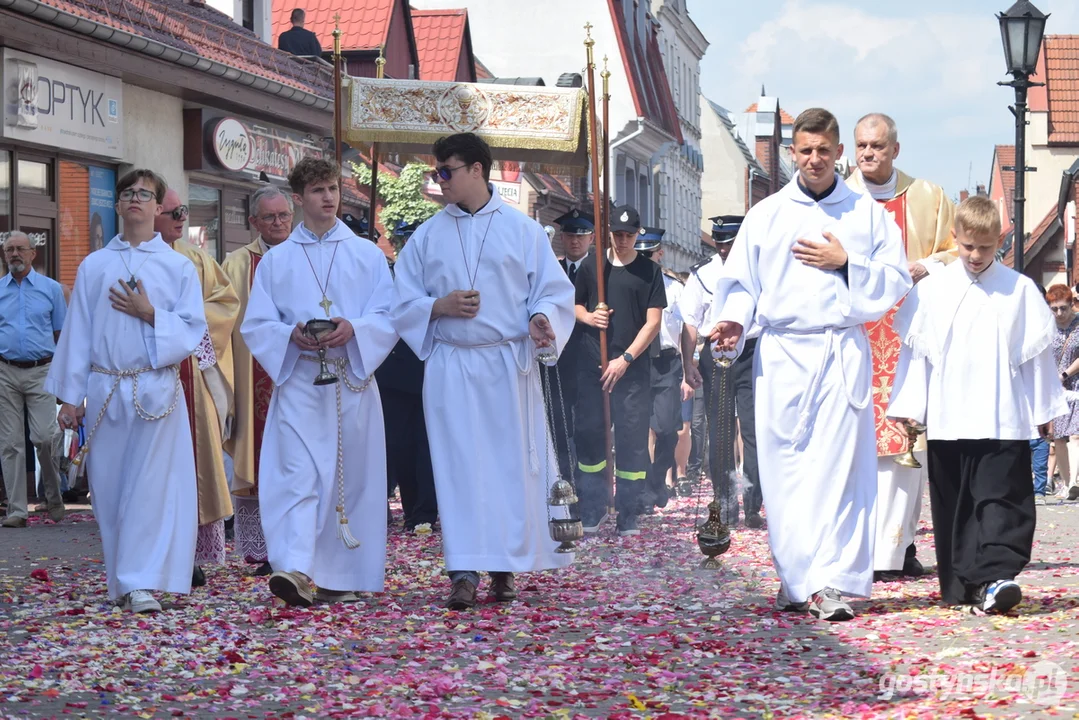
<point x="271" y="216"/>
<point x="136" y="312"/>
<point x="480" y="295"/>
<point x="32" y="311"/>
<point x="207" y="381"/>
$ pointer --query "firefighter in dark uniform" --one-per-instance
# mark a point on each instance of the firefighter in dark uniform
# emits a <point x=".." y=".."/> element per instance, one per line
<point x="635" y="298"/>
<point x="408" y="457"/>
<point x="666" y="377"/>
<point x="577" y="235"/>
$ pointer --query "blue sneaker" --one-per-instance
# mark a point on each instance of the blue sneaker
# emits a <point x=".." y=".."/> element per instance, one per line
<point x="1001" y="596"/>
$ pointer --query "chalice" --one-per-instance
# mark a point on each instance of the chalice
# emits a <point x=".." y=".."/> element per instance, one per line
<point x="317" y="329"/>
<point x="907" y="459"/>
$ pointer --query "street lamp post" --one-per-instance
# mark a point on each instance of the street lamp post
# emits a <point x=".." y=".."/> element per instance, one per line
<point x="1021" y="30"/>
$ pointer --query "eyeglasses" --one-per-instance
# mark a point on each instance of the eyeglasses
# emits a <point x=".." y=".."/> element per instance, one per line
<point x="20" y="250"/>
<point x="445" y="172"/>
<point x="130" y="194"/>
<point x="180" y="213"/>
<point x="1057" y="309"/>
<point x="281" y="217"/>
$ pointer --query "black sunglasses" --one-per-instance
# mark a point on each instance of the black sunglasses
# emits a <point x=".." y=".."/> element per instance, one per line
<point x="179" y="213"/>
<point x="445" y="172"/>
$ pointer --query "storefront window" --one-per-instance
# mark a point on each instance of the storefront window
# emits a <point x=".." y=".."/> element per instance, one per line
<point x="204" y="225"/>
<point x="34" y="177"/>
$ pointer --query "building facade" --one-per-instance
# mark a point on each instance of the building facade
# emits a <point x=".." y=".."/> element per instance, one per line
<point x="174" y="86"/>
<point x="682" y="45"/>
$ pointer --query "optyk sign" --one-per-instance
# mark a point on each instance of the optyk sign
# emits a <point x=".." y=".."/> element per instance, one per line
<point x="61" y="105"/>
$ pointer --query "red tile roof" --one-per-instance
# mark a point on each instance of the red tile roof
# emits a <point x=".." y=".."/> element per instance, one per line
<point x="1004" y="156"/>
<point x="204" y="32"/>
<point x="644" y="67"/>
<point x="482" y="71"/>
<point x="1032" y="239"/>
<point x="1062" y="87"/>
<point x="365" y="24"/>
<point x="441" y="37"/>
<point x="784" y="116"/>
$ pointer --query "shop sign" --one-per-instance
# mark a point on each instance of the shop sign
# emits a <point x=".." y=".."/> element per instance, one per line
<point x="62" y="106"/>
<point x="510" y="192"/>
<point x="244" y="146"/>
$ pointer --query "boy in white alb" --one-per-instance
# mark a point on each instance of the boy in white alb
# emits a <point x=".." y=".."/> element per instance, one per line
<point x="977" y="369"/>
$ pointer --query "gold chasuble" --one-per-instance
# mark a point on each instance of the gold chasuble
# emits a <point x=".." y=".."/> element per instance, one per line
<point x="207" y="380"/>
<point x="253" y="386"/>
<point x="925" y="216"/>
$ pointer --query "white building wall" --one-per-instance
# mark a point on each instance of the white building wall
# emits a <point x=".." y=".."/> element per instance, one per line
<point x="154" y="135"/>
<point x="723" y="183"/>
<point x="682" y="47"/>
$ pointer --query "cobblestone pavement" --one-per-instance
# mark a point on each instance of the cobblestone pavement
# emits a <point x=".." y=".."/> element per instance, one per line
<point x="634" y="629"/>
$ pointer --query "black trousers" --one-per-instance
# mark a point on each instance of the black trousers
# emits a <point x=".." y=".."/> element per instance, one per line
<point x="560" y="415"/>
<point x="983" y="513"/>
<point x="752" y="499"/>
<point x="408" y="457"/>
<point x="631" y="411"/>
<point x="666" y="418"/>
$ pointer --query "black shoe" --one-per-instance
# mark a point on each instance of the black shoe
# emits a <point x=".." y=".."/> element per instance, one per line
<point x="230" y="528"/>
<point x="663" y="497"/>
<point x="627" y="525"/>
<point x="198" y="577"/>
<point x="263" y="570"/>
<point x="912" y="568"/>
<point x="754" y="520"/>
<point x="887" y="575"/>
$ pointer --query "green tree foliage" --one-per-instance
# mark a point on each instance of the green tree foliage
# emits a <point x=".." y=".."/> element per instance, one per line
<point x="402" y="196"/>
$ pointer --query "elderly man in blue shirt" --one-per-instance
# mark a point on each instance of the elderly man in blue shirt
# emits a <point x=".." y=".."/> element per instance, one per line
<point x="32" y="311"/>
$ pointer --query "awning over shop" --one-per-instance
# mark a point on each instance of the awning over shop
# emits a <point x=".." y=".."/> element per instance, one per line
<point x="542" y="128"/>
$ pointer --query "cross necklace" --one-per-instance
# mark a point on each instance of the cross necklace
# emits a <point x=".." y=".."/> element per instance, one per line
<point x="326" y="302"/>
<point x="132" y="283"/>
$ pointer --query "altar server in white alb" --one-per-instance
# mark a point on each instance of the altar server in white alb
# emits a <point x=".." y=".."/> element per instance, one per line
<point x="811" y="264"/>
<point x="322" y="468"/>
<point x="136" y="313"/>
<point x="479" y="292"/>
<point x="977" y="369"/>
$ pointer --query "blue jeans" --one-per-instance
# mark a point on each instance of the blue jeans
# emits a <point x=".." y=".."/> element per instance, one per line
<point x="472" y="577"/>
<point x="1039" y="453"/>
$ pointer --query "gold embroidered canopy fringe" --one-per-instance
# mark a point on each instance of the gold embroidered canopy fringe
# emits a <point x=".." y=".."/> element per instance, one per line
<point x="542" y="128"/>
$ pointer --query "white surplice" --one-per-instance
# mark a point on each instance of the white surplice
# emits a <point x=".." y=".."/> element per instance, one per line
<point x="142" y="473"/>
<point x="977" y="359"/>
<point x="481" y="393"/>
<point x="812" y="376"/>
<point x="298" y="493"/>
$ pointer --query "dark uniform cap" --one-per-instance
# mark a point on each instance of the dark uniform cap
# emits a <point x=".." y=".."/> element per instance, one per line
<point x="360" y="227"/>
<point x="576" y="222"/>
<point x="649" y="239"/>
<point x="725" y="227"/>
<point x="405" y="229"/>
<point x="625" y="219"/>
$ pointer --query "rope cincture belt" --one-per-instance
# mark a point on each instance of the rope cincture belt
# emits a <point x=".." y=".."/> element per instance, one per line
<point x="77" y="461"/>
<point x="340" y="364"/>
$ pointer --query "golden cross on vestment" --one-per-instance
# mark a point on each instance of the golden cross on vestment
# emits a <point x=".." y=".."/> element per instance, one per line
<point x="325" y="305"/>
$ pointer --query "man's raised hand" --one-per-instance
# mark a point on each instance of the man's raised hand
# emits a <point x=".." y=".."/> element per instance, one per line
<point x="726" y="335"/>
<point x="823" y="256"/>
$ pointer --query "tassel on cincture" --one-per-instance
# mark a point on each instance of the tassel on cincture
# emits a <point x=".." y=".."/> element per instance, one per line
<point x="343" y="532"/>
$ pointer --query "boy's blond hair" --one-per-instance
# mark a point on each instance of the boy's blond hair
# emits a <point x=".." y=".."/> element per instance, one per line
<point x="978" y="216"/>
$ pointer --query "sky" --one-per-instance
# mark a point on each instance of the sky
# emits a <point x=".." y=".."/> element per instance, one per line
<point x="932" y="65"/>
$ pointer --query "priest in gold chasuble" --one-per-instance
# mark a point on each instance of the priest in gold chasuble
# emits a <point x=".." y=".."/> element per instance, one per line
<point x="925" y="216"/>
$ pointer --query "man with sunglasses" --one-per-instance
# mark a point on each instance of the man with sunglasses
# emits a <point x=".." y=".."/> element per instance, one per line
<point x="271" y="216"/>
<point x="207" y="381"/>
<point x="136" y="312"/>
<point x="479" y="295"/>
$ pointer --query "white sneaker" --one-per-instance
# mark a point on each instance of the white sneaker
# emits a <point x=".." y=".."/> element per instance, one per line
<point x="140" y="601"/>
<point x="828" y="604"/>
<point x="1001" y="596"/>
<point x="785" y="604"/>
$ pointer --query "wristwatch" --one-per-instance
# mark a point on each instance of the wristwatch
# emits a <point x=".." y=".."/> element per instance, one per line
<point x="627" y="357"/>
